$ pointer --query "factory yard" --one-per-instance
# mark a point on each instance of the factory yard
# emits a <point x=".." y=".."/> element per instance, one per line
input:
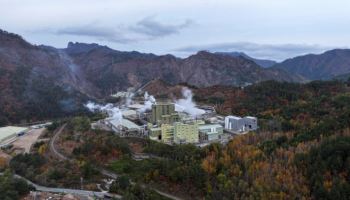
<point x="26" y="141"/>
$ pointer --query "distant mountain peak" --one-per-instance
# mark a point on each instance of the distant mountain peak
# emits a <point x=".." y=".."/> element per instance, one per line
<point x="77" y="47"/>
<point x="4" y="33"/>
<point x="7" y="38"/>
<point x="202" y="53"/>
<point x="261" y="62"/>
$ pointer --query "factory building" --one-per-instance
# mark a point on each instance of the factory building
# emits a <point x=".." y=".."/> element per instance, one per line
<point x="251" y="123"/>
<point x="234" y="123"/>
<point x="178" y="133"/>
<point x="241" y="125"/>
<point x="210" y="132"/>
<point x="9" y="134"/>
<point x="164" y="113"/>
<point x="186" y="133"/>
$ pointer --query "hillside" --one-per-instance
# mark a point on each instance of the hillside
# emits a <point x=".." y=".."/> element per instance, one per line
<point x="316" y="67"/>
<point x="36" y="82"/>
<point x="112" y="70"/>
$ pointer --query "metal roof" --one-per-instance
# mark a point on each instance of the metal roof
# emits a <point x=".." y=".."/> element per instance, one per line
<point x="250" y="117"/>
<point x="136" y="106"/>
<point x="233" y="117"/>
<point x="124" y="123"/>
<point x="10" y="130"/>
<point x="206" y="126"/>
<point x="128" y="112"/>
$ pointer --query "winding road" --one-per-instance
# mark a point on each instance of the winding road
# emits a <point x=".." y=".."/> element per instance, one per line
<point x="62" y="157"/>
<point x="105" y="172"/>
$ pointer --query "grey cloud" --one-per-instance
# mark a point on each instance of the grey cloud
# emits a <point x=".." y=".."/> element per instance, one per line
<point x="145" y="29"/>
<point x="268" y="51"/>
<point x="101" y="33"/>
<point x="154" y="29"/>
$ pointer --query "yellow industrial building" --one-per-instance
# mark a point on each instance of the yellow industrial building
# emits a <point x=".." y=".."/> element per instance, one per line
<point x="178" y="133"/>
<point x="164" y="113"/>
<point x="186" y="133"/>
<point x="167" y="133"/>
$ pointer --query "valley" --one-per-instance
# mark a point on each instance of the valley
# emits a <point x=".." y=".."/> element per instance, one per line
<point x="94" y="122"/>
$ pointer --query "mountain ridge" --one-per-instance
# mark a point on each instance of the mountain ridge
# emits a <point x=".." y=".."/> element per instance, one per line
<point x="324" y="66"/>
<point x="35" y="78"/>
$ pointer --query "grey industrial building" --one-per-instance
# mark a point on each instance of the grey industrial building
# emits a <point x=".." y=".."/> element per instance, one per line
<point x="241" y="125"/>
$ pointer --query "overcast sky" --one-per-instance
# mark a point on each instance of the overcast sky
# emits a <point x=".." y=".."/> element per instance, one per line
<point x="275" y="29"/>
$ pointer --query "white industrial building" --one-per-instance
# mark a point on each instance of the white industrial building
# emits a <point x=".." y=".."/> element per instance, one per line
<point x="124" y="127"/>
<point x="241" y="125"/>
<point x="9" y="134"/>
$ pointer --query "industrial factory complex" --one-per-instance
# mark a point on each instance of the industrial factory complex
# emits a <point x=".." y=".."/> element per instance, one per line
<point x="173" y="123"/>
<point x="178" y="122"/>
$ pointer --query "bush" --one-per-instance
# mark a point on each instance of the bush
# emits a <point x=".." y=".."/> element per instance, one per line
<point x="12" y="188"/>
<point x="80" y="124"/>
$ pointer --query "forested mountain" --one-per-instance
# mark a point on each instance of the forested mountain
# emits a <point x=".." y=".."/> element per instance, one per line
<point x="317" y="67"/>
<point x="36" y="82"/>
<point x="113" y="70"/>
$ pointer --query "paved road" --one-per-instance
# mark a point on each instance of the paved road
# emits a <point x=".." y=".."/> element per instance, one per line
<point x="68" y="191"/>
<point x="167" y="194"/>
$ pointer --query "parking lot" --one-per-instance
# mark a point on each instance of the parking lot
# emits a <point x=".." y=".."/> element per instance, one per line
<point x="27" y="140"/>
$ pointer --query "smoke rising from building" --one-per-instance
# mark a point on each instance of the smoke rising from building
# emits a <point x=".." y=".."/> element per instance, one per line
<point x="187" y="105"/>
<point x="128" y="98"/>
<point x="149" y="101"/>
<point x="113" y="112"/>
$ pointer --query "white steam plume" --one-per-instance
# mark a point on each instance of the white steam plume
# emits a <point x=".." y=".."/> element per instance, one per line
<point x="187" y="105"/>
<point x="128" y="98"/>
<point x="149" y="101"/>
<point x="113" y="112"/>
